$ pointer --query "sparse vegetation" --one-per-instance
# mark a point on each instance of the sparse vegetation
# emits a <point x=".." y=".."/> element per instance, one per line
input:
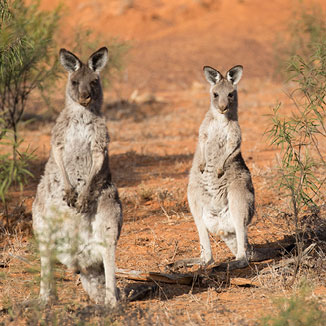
<point x="151" y="148"/>
<point x="86" y="314"/>
<point x="173" y="204"/>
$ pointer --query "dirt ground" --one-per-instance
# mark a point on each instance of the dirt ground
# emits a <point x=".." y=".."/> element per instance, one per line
<point x="152" y="143"/>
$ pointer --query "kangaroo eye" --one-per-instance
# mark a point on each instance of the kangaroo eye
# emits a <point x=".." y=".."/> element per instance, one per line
<point x="231" y="95"/>
<point x="94" y="82"/>
<point x="74" y="83"/>
<point x="215" y="95"/>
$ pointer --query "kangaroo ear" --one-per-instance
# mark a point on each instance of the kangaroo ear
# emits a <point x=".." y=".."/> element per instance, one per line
<point x="234" y="74"/>
<point x="69" y="61"/>
<point x="212" y="76"/>
<point x="98" y="59"/>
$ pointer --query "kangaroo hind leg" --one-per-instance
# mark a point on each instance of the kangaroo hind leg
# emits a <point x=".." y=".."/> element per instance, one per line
<point x="239" y="214"/>
<point x="93" y="283"/>
<point x="198" y="211"/>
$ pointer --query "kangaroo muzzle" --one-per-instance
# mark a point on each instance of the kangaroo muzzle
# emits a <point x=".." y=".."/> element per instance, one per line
<point x="223" y="110"/>
<point x="85" y="100"/>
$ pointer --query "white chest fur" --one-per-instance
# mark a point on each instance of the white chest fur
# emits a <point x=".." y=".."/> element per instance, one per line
<point x="215" y="140"/>
<point x="218" y="128"/>
<point x="80" y="131"/>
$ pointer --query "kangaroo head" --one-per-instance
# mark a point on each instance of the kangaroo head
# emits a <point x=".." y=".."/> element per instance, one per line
<point x="223" y="91"/>
<point x="84" y="86"/>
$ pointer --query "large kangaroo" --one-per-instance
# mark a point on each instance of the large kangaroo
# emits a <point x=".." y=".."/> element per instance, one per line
<point x="220" y="190"/>
<point x="77" y="213"/>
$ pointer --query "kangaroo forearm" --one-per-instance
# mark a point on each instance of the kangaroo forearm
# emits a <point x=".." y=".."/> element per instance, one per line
<point x="97" y="162"/>
<point x="228" y="154"/>
<point x="57" y="155"/>
<point x="202" y="158"/>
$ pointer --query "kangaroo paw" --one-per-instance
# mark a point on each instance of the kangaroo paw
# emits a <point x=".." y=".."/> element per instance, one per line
<point x="82" y="204"/>
<point x="219" y="172"/>
<point x="70" y="197"/>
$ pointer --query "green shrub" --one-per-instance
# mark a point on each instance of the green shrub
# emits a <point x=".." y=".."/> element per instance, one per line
<point x="298" y="134"/>
<point x="27" y="52"/>
<point x="27" y="49"/>
<point x="13" y="169"/>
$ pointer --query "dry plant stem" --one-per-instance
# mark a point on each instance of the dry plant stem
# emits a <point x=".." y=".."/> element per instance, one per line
<point x="22" y="259"/>
<point x="286" y="262"/>
<point x="165" y="213"/>
<point x="175" y="252"/>
<point x="298" y="236"/>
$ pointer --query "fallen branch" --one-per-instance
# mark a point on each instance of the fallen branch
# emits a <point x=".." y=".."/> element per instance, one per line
<point x="186" y="279"/>
<point x="243" y="282"/>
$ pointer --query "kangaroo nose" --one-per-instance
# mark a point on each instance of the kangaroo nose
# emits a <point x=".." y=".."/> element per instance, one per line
<point x="84" y="99"/>
<point x="85" y="96"/>
<point x="223" y="106"/>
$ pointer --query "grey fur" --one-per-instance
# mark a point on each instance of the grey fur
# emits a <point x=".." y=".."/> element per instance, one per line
<point x="77" y="213"/>
<point x="220" y="190"/>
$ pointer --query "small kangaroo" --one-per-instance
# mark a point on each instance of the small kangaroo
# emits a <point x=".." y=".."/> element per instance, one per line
<point x="77" y="213"/>
<point x="220" y="190"/>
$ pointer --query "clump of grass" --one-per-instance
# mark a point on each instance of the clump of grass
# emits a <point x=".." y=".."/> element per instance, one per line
<point x="172" y="203"/>
<point x="301" y="309"/>
<point x="145" y="193"/>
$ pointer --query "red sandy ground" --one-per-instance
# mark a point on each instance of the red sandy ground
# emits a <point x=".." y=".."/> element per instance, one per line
<point x="152" y="153"/>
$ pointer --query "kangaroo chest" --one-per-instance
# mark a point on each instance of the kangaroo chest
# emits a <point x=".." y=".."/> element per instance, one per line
<point x="80" y="134"/>
<point x="214" y="145"/>
<point x="215" y="140"/>
<point x="79" y="139"/>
